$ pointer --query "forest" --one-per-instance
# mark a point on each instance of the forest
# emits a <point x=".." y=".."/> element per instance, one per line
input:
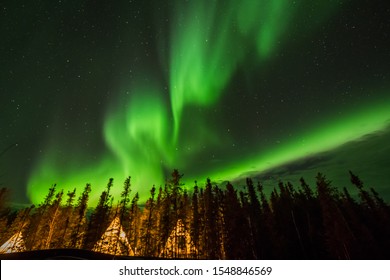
<point x="207" y="222"/>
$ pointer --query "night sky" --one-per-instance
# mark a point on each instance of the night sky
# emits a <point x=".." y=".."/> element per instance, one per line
<point x="274" y="90"/>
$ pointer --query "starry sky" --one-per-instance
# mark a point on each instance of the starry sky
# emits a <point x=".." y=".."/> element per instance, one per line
<point x="274" y="90"/>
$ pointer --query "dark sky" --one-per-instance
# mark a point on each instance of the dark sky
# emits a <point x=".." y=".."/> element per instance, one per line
<point x="274" y="90"/>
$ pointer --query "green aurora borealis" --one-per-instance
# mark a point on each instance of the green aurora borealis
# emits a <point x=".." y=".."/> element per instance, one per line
<point x="219" y="89"/>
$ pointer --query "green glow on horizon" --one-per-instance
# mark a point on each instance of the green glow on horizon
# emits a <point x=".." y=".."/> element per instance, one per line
<point x="210" y="40"/>
<point x="137" y="136"/>
<point x="49" y="173"/>
<point x="320" y="138"/>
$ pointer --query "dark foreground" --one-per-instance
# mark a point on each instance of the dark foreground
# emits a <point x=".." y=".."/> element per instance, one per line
<point x="65" y="254"/>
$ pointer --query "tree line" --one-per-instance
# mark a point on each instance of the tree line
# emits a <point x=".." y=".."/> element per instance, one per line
<point x="210" y="222"/>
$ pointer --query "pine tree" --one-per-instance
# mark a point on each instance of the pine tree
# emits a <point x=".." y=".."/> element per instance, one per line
<point x="165" y="219"/>
<point x="79" y="213"/>
<point x="175" y="188"/>
<point x="235" y="243"/>
<point x="38" y="225"/>
<point x="364" y="244"/>
<point x="195" y="223"/>
<point x="148" y="226"/>
<point x="374" y="214"/>
<point x="209" y="223"/>
<point x="210" y="238"/>
<point x="125" y="198"/>
<point x="267" y="226"/>
<point x="123" y="211"/>
<point x="255" y="219"/>
<point x="169" y="210"/>
<point x="53" y="215"/>
<point x="338" y="235"/>
<point x="246" y="233"/>
<point x="5" y="212"/>
<point x="61" y="236"/>
<point x="14" y="231"/>
<point x="100" y="218"/>
<point x="4" y="192"/>
<point x="135" y="225"/>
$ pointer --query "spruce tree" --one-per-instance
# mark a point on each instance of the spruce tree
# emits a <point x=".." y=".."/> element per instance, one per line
<point x="80" y="222"/>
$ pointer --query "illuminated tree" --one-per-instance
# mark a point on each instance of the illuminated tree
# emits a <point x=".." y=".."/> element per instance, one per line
<point x="12" y="237"/>
<point x="209" y="223"/>
<point x="99" y="220"/>
<point x="5" y="212"/>
<point x="78" y="230"/>
<point x="53" y="217"/>
<point x="133" y="231"/>
<point x="64" y="223"/>
<point x="149" y="226"/>
<point x="39" y="223"/>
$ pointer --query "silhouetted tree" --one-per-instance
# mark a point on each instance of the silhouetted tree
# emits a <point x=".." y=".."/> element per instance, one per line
<point x="99" y="220"/>
<point x="234" y="225"/>
<point x="149" y="225"/>
<point x="135" y="225"/>
<point x="38" y="225"/>
<point x="55" y="211"/>
<point x="195" y="222"/>
<point x="210" y="238"/>
<point x="79" y="221"/>
<point x="212" y="222"/>
<point x="4" y="192"/>
<point x="62" y="235"/>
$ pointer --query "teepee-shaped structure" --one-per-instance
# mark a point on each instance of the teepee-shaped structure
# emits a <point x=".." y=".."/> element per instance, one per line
<point x="178" y="244"/>
<point x="114" y="241"/>
<point x="14" y="244"/>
